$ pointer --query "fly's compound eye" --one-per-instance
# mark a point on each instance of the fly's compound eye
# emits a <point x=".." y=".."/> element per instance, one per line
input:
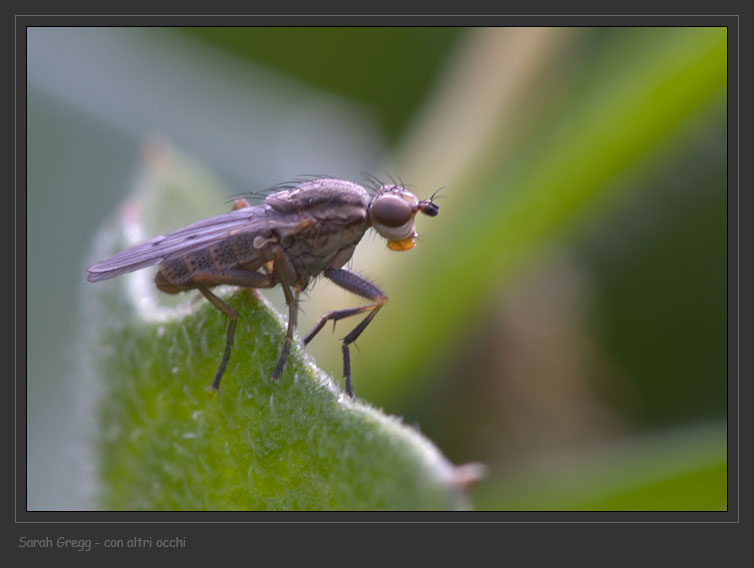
<point x="391" y="211"/>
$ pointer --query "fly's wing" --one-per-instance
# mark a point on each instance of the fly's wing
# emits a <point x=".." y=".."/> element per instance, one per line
<point x="184" y="240"/>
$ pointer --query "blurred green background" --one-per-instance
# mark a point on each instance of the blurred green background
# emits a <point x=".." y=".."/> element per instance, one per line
<point x="563" y="320"/>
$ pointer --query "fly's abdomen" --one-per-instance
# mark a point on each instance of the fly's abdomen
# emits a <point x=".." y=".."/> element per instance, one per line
<point x="173" y="276"/>
<point x="237" y="250"/>
<point x="223" y="255"/>
<point x="177" y="274"/>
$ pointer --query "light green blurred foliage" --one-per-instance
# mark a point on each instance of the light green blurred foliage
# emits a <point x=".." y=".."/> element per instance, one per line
<point x="618" y="112"/>
<point x="685" y="470"/>
<point x="575" y="167"/>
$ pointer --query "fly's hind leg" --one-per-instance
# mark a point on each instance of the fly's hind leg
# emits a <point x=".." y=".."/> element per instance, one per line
<point x="357" y="284"/>
<point x="237" y="278"/>
<point x="233" y="317"/>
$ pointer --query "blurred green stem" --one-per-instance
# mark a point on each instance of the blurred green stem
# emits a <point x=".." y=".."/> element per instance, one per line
<point x="566" y="173"/>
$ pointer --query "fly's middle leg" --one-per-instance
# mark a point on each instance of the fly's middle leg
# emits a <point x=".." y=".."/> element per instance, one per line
<point x="357" y="284"/>
<point x="285" y="273"/>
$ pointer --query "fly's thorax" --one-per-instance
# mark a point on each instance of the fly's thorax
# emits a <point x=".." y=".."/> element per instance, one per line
<point x="323" y="217"/>
<point x="312" y="249"/>
<point x="335" y="200"/>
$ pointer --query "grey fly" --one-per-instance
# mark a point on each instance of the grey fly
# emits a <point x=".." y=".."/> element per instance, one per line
<point x="295" y="235"/>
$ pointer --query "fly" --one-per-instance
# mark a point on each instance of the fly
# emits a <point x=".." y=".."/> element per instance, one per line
<point x="295" y="235"/>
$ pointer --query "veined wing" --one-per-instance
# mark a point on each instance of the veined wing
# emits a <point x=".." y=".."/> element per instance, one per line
<point x="186" y="239"/>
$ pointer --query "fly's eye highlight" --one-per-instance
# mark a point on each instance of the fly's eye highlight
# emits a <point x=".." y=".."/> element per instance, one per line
<point x="391" y="211"/>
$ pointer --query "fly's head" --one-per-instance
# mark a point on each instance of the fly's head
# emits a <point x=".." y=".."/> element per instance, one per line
<point x="392" y="213"/>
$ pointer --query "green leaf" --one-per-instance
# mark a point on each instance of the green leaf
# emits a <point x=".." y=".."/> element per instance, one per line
<point x="163" y="441"/>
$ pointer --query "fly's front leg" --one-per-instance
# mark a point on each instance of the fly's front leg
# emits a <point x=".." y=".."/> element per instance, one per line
<point x="236" y="278"/>
<point x="291" y="298"/>
<point x="357" y="284"/>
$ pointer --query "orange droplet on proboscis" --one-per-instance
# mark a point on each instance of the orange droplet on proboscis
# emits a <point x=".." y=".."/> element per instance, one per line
<point x="405" y="244"/>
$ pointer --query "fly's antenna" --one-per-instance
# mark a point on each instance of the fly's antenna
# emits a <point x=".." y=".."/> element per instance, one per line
<point x="428" y="206"/>
<point x="435" y="195"/>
